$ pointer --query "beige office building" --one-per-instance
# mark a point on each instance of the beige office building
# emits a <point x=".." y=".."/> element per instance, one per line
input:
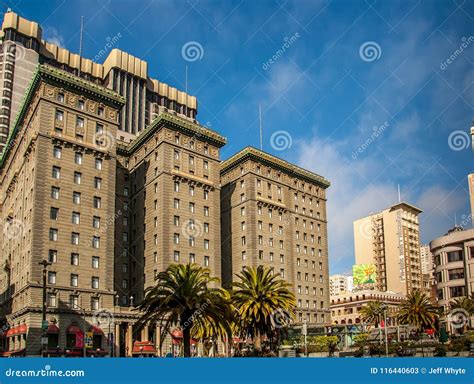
<point x="274" y="214"/>
<point x="340" y="284"/>
<point x="346" y="307"/>
<point x="390" y="240"/>
<point x="108" y="176"/>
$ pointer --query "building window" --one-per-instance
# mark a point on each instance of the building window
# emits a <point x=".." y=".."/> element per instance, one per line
<point x="206" y="244"/>
<point x="56" y="173"/>
<point x="59" y="115"/>
<point x="80" y="104"/>
<point x="97" y="182"/>
<point x="455" y="256"/>
<point x="60" y="97"/>
<point x="74" y="259"/>
<point x="77" y="177"/>
<point x="53" y="234"/>
<point x="76" y="218"/>
<point x="124" y="284"/>
<point x="76" y="198"/>
<point x="98" y="164"/>
<point x="192" y="258"/>
<point x="206" y="195"/>
<point x="95" y="282"/>
<point x="57" y="152"/>
<point x="54" y="213"/>
<point x="95" y="262"/>
<point x="176" y="238"/>
<point x="79" y="122"/>
<point x="97" y="202"/>
<point x="206" y="211"/>
<point x="95" y="303"/>
<point x="176" y="256"/>
<point x="78" y="158"/>
<point x="457" y="273"/>
<point x="206" y="261"/>
<point x="96" y="242"/>
<point x="52" y="302"/>
<point x="176" y="203"/>
<point x="51" y="277"/>
<point x="191" y="207"/>
<point x="74" y="301"/>
<point x="55" y="193"/>
<point x="75" y="238"/>
<point x="457" y="291"/>
<point x="74" y="280"/>
<point x="96" y="222"/>
<point x="52" y="256"/>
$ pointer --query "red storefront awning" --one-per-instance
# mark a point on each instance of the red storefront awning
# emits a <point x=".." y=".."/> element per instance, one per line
<point x="177" y="334"/>
<point x="73" y="329"/>
<point x="143" y="347"/>
<point x="22" y="329"/>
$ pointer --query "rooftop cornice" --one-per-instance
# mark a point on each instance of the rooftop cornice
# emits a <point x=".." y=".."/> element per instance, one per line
<point x="52" y="75"/>
<point x="179" y="123"/>
<point x="266" y="158"/>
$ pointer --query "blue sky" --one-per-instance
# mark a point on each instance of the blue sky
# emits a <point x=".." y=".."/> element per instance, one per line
<point x="362" y="93"/>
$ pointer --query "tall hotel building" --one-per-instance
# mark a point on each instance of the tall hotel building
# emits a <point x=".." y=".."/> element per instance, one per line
<point x="274" y="214"/>
<point x="107" y="175"/>
<point x="390" y="240"/>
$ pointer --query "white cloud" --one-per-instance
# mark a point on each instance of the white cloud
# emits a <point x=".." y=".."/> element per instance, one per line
<point x="52" y="35"/>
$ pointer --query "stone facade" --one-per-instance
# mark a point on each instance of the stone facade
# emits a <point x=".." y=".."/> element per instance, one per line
<point x="274" y="214"/>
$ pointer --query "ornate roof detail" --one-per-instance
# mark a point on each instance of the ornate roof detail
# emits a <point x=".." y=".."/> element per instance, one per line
<point x="179" y="123"/>
<point x="273" y="161"/>
<point x="65" y="79"/>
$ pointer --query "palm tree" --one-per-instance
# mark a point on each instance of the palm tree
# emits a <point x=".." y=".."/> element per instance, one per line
<point x="466" y="303"/>
<point x="182" y="296"/>
<point x="418" y="310"/>
<point x="372" y="312"/>
<point x="261" y="299"/>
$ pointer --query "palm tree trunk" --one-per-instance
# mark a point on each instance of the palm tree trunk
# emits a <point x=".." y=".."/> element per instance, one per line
<point x="187" y="341"/>
<point x="258" y="342"/>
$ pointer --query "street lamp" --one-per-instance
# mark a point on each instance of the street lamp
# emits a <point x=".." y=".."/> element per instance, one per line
<point x="45" y="264"/>
<point x="384" y="309"/>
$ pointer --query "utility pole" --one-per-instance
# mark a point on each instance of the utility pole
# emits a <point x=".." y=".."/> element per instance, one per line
<point x="45" y="264"/>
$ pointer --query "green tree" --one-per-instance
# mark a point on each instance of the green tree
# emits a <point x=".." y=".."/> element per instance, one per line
<point x="466" y="303"/>
<point x="417" y="310"/>
<point x="182" y="295"/>
<point x="372" y="312"/>
<point x="263" y="302"/>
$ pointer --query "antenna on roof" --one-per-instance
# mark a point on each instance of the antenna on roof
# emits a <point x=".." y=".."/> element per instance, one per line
<point x="399" y="194"/>
<point x="260" y="122"/>
<point x="80" y="44"/>
<point x="80" y="35"/>
<point x="455" y="220"/>
<point x="186" y="80"/>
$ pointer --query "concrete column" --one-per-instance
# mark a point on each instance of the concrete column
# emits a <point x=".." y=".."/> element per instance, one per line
<point x="158" y="340"/>
<point x="117" y="340"/>
<point x="130" y="339"/>
<point x="145" y="334"/>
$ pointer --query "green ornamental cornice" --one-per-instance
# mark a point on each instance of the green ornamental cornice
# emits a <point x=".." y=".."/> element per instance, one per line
<point x="272" y="161"/>
<point x="71" y="81"/>
<point x="178" y="123"/>
<point x="53" y="75"/>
